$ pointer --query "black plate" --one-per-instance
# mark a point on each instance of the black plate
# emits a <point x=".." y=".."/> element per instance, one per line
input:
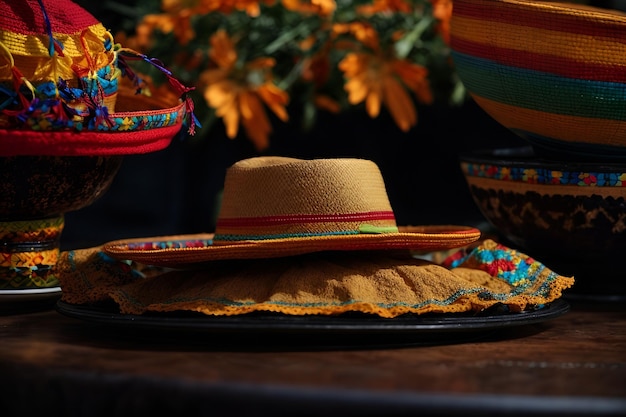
<point x="336" y="330"/>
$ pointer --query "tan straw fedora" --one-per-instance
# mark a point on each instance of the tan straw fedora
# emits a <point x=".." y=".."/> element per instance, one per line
<point x="278" y="206"/>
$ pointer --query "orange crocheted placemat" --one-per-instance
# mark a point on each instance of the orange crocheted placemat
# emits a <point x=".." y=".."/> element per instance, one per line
<point x="383" y="283"/>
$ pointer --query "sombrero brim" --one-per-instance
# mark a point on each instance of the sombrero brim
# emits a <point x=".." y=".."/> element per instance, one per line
<point x="151" y="126"/>
<point x="185" y="251"/>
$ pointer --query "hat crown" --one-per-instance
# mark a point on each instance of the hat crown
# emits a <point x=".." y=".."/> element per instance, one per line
<point x="280" y="197"/>
<point x="26" y="17"/>
<point x="34" y="35"/>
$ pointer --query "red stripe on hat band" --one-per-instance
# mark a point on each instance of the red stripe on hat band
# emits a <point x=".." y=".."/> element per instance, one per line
<point x="304" y="218"/>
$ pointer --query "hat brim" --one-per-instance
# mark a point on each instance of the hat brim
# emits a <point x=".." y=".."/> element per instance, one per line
<point x="148" y="134"/>
<point x="188" y="251"/>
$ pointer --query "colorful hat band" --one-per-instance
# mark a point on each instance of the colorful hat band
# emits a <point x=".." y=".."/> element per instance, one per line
<point x="303" y="226"/>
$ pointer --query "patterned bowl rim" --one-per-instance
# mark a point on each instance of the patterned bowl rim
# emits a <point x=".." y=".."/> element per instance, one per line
<point x="525" y="157"/>
<point x="522" y="165"/>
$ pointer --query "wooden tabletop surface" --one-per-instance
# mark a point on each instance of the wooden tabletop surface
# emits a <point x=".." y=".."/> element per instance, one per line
<point x="573" y="364"/>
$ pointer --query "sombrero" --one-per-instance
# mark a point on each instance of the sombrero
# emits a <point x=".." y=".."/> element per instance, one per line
<point x="278" y="206"/>
<point x="66" y="88"/>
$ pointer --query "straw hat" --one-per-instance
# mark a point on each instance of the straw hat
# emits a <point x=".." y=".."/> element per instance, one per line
<point x="66" y="88"/>
<point x="279" y="206"/>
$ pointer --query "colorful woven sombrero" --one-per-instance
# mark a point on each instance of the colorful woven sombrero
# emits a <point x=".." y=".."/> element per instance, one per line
<point x="279" y="206"/>
<point x="554" y="73"/>
<point x="67" y="89"/>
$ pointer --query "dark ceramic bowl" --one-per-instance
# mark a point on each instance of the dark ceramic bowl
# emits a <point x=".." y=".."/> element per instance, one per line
<point x="36" y="193"/>
<point x="571" y="216"/>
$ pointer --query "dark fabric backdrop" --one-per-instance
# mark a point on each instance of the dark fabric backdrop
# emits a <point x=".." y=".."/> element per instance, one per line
<point x="177" y="190"/>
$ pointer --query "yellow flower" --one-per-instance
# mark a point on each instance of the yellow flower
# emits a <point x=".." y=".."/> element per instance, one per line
<point x="127" y="124"/>
<point x="241" y="95"/>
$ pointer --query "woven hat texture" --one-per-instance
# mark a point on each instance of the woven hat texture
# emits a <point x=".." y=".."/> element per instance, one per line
<point x="278" y="206"/>
<point x="66" y="88"/>
<point x="555" y="73"/>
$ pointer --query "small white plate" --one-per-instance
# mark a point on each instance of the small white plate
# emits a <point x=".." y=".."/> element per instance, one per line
<point x="35" y="294"/>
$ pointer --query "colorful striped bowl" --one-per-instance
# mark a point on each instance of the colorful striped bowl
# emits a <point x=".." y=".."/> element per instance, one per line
<point x="554" y="73"/>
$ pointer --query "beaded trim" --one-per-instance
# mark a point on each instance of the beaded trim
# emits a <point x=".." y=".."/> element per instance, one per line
<point x="546" y="176"/>
<point x="170" y="244"/>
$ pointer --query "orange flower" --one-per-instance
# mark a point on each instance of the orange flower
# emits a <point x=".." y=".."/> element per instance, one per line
<point x="240" y="95"/>
<point x="362" y="32"/>
<point x="144" y="30"/>
<point x="327" y="103"/>
<point x="178" y="13"/>
<point x="415" y="77"/>
<point x="379" y="6"/>
<point x="376" y="81"/>
<point x="442" y="10"/>
<point x="198" y="7"/>
<point x="333" y="55"/>
<point x="316" y="70"/>
<point x="319" y="7"/>
<point x="176" y="19"/>
<point x="222" y="50"/>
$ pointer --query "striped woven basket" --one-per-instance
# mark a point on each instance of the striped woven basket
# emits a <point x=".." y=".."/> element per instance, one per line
<point x="554" y="73"/>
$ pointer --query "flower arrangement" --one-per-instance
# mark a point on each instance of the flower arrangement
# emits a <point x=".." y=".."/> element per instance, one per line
<point x="254" y="62"/>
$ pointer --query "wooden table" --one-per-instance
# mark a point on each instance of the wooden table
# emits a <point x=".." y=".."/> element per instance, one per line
<point x="53" y="365"/>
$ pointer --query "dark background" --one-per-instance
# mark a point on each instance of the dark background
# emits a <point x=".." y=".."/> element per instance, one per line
<point x="177" y="190"/>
